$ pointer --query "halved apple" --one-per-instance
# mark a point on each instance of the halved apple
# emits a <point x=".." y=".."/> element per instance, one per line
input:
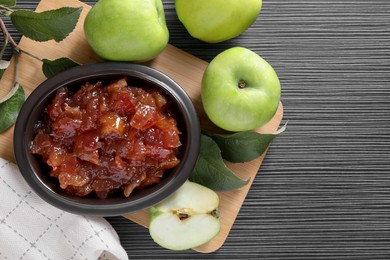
<point x="186" y="219"/>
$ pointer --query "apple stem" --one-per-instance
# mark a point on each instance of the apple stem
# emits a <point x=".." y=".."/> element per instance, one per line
<point x="241" y="84"/>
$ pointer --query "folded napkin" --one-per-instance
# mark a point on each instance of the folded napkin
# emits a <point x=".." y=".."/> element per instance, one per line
<point x="30" y="228"/>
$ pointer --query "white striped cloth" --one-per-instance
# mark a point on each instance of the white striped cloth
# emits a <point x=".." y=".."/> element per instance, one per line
<point x="30" y="228"/>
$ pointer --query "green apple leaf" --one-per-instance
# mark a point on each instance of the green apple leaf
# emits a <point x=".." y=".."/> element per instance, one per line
<point x="8" y="2"/>
<point x="244" y="146"/>
<point x="53" y="67"/>
<point x="48" y="25"/>
<point x="211" y="171"/>
<point x="3" y="66"/>
<point x="10" y="106"/>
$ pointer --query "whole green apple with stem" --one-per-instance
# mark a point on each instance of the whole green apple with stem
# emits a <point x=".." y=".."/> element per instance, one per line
<point x="186" y="219"/>
<point x="240" y="90"/>
<point x="217" y="20"/>
<point x="127" y="30"/>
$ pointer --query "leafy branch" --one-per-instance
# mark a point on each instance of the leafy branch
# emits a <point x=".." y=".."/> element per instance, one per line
<point x="38" y="26"/>
<point x="210" y="169"/>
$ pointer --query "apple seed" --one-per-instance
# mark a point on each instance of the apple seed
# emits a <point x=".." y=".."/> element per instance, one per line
<point x="215" y="213"/>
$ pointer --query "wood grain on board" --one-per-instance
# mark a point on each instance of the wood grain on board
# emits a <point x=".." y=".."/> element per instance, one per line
<point x="184" y="68"/>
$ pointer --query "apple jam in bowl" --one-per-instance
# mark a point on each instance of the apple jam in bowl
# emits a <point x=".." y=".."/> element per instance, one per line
<point x="107" y="139"/>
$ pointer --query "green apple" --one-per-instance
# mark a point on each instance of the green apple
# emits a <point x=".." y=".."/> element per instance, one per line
<point x="240" y="90"/>
<point x="127" y="30"/>
<point x="186" y="219"/>
<point x="217" y="20"/>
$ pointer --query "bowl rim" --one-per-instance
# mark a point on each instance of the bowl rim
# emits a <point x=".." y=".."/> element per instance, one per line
<point x="83" y="73"/>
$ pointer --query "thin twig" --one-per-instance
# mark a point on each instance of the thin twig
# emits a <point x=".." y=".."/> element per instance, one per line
<point x="9" y="10"/>
<point x="8" y="36"/>
<point x="4" y="47"/>
<point x="15" y="46"/>
<point x="17" y="68"/>
<point x="31" y="55"/>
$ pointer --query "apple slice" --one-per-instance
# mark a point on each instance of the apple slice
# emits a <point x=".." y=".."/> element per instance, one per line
<point x="186" y="219"/>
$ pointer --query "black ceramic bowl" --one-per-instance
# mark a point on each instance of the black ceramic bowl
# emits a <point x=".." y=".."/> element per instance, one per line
<point x="36" y="173"/>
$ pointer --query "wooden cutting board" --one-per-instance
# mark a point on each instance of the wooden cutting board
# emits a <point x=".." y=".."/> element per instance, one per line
<point x="184" y="68"/>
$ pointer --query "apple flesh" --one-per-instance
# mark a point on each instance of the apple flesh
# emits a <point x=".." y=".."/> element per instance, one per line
<point x="186" y="219"/>
<point x="217" y="20"/>
<point x="240" y="90"/>
<point x="127" y="30"/>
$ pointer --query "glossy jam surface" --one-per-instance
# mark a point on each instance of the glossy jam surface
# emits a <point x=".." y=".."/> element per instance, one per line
<point x="108" y="138"/>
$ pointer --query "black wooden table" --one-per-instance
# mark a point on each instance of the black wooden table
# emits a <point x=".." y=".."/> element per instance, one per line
<point x="324" y="187"/>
